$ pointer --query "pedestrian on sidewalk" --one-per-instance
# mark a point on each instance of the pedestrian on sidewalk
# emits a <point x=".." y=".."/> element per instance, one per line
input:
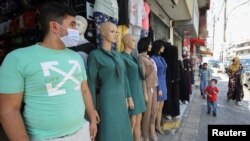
<point x="204" y="74"/>
<point x="235" y="87"/>
<point x="212" y="94"/>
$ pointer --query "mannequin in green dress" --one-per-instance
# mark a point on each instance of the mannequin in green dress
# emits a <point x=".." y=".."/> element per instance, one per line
<point x="106" y="67"/>
<point x="135" y="78"/>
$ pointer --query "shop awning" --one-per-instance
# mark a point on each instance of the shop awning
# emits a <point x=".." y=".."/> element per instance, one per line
<point x="196" y="41"/>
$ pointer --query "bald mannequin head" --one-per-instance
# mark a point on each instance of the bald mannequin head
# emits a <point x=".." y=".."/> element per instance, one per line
<point x="81" y="25"/>
<point x="108" y="32"/>
<point x="129" y="41"/>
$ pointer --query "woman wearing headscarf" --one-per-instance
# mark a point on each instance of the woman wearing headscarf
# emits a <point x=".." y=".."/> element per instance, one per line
<point x="235" y="87"/>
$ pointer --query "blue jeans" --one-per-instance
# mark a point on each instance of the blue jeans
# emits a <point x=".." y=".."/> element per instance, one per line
<point x="211" y="106"/>
<point x="203" y="85"/>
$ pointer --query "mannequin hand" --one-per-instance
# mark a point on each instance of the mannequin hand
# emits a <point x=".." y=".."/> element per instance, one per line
<point x="146" y="98"/>
<point x="92" y="131"/>
<point x="97" y="117"/>
<point x="131" y="103"/>
<point x="160" y="93"/>
<point x="127" y="103"/>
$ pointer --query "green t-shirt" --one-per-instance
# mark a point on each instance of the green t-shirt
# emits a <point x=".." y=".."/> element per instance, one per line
<point x="50" y="80"/>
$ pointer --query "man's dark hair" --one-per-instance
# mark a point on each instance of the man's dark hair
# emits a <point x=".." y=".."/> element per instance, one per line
<point x="204" y="64"/>
<point x="156" y="47"/>
<point x="215" y="80"/>
<point x="143" y="44"/>
<point x="53" y="11"/>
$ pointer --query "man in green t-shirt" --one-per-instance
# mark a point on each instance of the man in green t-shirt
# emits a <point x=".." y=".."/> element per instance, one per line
<point x="50" y="80"/>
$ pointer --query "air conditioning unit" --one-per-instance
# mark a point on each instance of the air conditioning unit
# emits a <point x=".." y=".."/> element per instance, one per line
<point x="175" y="2"/>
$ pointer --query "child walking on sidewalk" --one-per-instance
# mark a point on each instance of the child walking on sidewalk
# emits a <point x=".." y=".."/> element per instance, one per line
<point x="204" y="79"/>
<point x="212" y="94"/>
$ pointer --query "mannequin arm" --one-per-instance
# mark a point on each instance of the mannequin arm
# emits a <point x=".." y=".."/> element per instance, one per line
<point x="144" y="85"/>
<point x="129" y="99"/>
<point x="93" y="68"/>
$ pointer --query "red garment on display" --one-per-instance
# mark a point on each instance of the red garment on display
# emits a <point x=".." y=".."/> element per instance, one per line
<point x="29" y="19"/>
<point x="15" y="24"/>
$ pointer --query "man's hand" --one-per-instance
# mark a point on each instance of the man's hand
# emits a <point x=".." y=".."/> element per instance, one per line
<point x="93" y="131"/>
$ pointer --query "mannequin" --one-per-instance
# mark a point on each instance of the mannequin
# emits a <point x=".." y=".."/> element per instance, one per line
<point x="185" y="83"/>
<point x="171" y="107"/>
<point x="84" y="47"/>
<point x="136" y="14"/>
<point x="149" y="71"/>
<point x="106" y="67"/>
<point x="161" y="64"/>
<point x="135" y="78"/>
<point x="105" y="11"/>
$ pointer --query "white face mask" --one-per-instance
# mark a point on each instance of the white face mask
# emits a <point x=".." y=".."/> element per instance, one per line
<point x="72" y="39"/>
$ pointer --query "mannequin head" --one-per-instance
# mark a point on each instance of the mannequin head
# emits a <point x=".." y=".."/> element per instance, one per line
<point x="81" y="25"/>
<point x="157" y="47"/>
<point x="129" y="42"/>
<point x="108" y="32"/>
<point x="144" y="45"/>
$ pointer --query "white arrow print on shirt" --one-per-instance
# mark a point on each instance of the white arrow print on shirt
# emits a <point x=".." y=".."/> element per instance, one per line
<point x="47" y="66"/>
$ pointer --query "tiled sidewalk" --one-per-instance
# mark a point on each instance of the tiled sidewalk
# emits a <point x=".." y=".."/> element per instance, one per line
<point x="190" y="118"/>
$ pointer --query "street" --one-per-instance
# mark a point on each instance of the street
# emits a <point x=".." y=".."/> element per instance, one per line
<point x="195" y="121"/>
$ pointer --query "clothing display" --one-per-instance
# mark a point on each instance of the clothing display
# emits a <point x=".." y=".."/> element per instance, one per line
<point x="107" y="7"/>
<point x="105" y="11"/>
<point x="149" y="87"/>
<point x="123" y="12"/>
<point x="135" y="77"/>
<point x="144" y="33"/>
<point x="145" y="20"/>
<point x="185" y="81"/>
<point x="47" y="87"/>
<point x="84" y="49"/>
<point x="136" y="12"/>
<point x="171" y="105"/>
<point x="122" y="30"/>
<point x="99" y="19"/>
<point x="108" y="69"/>
<point x="161" y="73"/>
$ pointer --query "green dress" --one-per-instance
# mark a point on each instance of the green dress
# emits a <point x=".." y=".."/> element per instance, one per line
<point x="134" y="75"/>
<point x="108" y="71"/>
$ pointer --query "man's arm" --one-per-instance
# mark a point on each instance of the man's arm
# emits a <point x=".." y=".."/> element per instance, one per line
<point x="89" y="108"/>
<point x="10" y="117"/>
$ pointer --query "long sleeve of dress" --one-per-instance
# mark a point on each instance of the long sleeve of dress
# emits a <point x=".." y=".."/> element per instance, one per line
<point x="92" y="76"/>
<point x="128" y="92"/>
<point x="144" y="85"/>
